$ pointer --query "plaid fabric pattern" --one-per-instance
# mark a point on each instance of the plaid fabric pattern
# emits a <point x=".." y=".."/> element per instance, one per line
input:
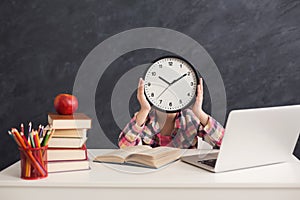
<point x="186" y="129"/>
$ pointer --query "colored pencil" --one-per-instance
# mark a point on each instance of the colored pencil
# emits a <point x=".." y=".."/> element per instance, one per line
<point x="39" y="129"/>
<point x="29" y="127"/>
<point x="35" y="139"/>
<point x="32" y="139"/>
<point x="29" y="154"/>
<point x="40" y="133"/>
<point x="45" y="138"/>
<point x="24" y="138"/>
<point x="50" y="136"/>
<point x="22" y="128"/>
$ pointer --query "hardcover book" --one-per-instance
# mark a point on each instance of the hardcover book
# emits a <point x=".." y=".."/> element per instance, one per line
<point x="61" y="142"/>
<point x="70" y="133"/>
<point x="75" y="121"/>
<point x="64" y="166"/>
<point x="141" y="155"/>
<point x="65" y="154"/>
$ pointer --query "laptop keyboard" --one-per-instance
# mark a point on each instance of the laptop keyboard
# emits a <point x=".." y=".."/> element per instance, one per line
<point x="210" y="162"/>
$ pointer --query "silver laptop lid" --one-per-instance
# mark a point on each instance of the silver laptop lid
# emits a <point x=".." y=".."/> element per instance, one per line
<point x="260" y="136"/>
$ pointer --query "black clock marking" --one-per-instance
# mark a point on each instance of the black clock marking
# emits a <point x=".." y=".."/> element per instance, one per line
<point x="164" y="80"/>
<point x="167" y="88"/>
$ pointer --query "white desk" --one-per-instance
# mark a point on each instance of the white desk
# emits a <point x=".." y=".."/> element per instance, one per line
<point x="176" y="181"/>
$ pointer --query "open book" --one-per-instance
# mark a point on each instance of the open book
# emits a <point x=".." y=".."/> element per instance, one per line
<point x="141" y="155"/>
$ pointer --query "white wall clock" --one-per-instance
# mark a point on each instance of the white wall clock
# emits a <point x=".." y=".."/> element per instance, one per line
<point x="170" y="84"/>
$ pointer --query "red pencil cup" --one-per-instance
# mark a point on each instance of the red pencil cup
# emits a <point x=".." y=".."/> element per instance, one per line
<point x="34" y="163"/>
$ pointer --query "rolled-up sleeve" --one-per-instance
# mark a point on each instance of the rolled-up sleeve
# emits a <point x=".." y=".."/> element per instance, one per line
<point x="213" y="132"/>
<point x="130" y="135"/>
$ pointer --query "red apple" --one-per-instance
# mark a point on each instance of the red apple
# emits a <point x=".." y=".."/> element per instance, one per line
<point x="65" y="104"/>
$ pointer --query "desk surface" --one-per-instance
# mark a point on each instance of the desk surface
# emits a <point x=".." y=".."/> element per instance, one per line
<point x="177" y="175"/>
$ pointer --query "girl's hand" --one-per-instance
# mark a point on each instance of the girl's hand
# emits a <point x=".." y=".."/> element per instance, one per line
<point x="145" y="106"/>
<point x="141" y="96"/>
<point x="197" y="107"/>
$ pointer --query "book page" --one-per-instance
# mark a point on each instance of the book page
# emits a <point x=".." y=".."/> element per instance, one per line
<point x="119" y="155"/>
<point x="116" y="156"/>
<point x="138" y="148"/>
<point x="155" y="157"/>
<point x="156" y="153"/>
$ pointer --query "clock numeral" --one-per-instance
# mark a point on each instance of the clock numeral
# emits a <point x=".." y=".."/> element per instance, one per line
<point x="192" y="83"/>
<point x="170" y="104"/>
<point x="153" y="73"/>
<point x="189" y="73"/>
<point x="160" y="101"/>
<point x="160" y="66"/>
<point x="189" y="94"/>
<point x="171" y="63"/>
<point x="152" y="94"/>
<point x="149" y="84"/>
<point x="180" y="65"/>
<point x="180" y="101"/>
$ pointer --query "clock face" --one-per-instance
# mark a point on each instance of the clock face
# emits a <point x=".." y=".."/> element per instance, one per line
<point x="170" y="84"/>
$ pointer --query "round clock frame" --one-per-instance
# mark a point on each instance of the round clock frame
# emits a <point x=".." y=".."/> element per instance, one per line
<point x="165" y="88"/>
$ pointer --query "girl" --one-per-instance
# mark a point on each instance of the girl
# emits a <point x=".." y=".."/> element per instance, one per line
<point x="155" y="128"/>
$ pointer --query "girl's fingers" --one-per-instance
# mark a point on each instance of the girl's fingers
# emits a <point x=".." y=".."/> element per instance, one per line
<point x="199" y="96"/>
<point x="201" y="86"/>
<point x="141" y="86"/>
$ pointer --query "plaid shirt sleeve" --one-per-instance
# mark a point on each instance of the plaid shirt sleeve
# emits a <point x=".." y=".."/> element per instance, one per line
<point x="130" y="135"/>
<point x="190" y="127"/>
<point x="188" y="124"/>
<point x="212" y="133"/>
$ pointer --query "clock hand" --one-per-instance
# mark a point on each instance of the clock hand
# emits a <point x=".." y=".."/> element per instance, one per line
<point x="162" y="92"/>
<point x="171" y="84"/>
<point x="178" y="78"/>
<point x="164" y="80"/>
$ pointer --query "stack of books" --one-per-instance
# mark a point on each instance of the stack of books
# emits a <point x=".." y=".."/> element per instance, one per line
<point x="67" y="148"/>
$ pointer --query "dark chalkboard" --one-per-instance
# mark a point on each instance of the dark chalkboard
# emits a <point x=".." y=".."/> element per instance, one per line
<point x="255" y="45"/>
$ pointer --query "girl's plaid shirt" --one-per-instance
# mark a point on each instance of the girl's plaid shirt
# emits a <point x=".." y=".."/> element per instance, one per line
<point x="187" y="128"/>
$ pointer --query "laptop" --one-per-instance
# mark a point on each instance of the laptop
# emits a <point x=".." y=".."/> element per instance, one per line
<point x="253" y="137"/>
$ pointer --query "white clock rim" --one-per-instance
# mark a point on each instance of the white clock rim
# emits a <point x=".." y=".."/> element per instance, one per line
<point x="194" y="74"/>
